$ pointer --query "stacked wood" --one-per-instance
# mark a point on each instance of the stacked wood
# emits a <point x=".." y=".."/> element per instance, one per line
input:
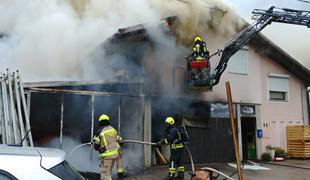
<point x="298" y="141"/>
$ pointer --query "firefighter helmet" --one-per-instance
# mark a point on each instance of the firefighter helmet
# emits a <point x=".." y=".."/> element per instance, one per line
<point x="198" y="38"/>
<point x="104" y="117"/>
<point x="169" y="120"/>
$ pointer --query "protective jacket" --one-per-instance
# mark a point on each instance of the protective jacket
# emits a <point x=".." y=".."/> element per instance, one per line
<point x="173" y="137"/>
<point x="105" y="141"/>
<point x="200" y="51"/>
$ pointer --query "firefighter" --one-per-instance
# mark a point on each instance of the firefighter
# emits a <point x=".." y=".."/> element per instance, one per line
<point x="200" y="51"/>
<point x="105" y="141"/>
<point x="119" y="161"/>
<point x="176" y="165"/>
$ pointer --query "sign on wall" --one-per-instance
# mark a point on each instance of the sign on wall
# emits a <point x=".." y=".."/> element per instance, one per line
<point x="247" y="109"/>
<point x="259" y="133"/>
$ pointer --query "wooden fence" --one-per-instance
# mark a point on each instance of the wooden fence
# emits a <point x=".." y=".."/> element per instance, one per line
<point x="298" y="141"/>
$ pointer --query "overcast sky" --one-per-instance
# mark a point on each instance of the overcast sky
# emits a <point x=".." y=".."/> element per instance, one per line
<point x="292" y="38"/>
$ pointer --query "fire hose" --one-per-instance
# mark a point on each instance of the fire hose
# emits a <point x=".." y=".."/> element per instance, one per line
<point x="123" y="141"/>
<point x="139" y="142"/>
<point x="153" y="144"/>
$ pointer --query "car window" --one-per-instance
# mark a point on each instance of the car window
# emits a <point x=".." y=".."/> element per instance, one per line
<point x="6" y="176"/>
<point x="66" y="171"/>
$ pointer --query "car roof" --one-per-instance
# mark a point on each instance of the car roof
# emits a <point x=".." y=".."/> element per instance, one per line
<point x="50" y="157"/>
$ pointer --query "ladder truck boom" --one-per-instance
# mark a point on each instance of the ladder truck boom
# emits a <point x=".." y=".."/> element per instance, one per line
<point x="264" y="17"/>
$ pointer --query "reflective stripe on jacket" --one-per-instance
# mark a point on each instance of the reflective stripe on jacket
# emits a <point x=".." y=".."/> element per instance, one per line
<point x="173" y="138"/>
<point x="108" y="141"/>
<point x="118" y="139"/>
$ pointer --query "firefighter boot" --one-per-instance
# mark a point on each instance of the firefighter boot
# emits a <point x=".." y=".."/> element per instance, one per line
<point x="169" y="177"/>
<point x="122" y="175"/>
<point x="180" y="172"/>
<point x="180" y="175"/>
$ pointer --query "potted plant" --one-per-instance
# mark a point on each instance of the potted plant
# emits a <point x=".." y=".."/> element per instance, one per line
<point x="279" y="154"/>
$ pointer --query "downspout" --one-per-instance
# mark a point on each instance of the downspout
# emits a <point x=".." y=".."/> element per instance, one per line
<point x="308" y="103"/>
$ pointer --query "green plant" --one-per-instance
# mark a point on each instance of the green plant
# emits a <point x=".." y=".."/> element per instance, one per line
<point x="266" y="157"/>
<point x="279" y="152"/>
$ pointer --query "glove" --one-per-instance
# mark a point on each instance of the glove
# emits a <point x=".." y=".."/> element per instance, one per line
<point x="96" y="146"/>
<point x="159" y="143"/>
<point x="121" y="144"/>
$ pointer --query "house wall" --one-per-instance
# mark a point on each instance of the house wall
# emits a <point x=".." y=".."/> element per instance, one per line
<point x="278" y="115"/>
<point x="245" y="88"/>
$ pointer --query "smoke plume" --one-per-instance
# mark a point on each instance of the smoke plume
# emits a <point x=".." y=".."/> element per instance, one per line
<point x="49" y="40"/>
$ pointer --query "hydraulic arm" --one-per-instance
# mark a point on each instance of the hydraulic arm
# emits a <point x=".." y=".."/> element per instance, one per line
<point x="264" y="17"/>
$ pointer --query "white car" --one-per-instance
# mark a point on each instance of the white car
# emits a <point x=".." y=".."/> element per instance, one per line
<point x="35" y="163"/>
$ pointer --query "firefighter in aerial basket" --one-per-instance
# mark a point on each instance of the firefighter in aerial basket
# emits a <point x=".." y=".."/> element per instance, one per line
<point x="200" y="51"/>
<point x="174" y="139"/>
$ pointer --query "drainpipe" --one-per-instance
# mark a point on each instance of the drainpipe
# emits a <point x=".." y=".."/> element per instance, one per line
<point x="308" y="103"/>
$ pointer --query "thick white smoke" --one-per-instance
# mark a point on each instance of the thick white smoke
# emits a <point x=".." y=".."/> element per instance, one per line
<point x="48" y="40"/>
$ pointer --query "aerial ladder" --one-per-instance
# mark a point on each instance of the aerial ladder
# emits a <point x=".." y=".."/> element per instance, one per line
<point x="209" y="78"/>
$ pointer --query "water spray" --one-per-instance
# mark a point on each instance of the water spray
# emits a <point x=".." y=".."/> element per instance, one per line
<point x="78" y="146"/>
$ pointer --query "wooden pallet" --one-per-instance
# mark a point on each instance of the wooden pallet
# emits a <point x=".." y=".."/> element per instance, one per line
<point x="298" y="132"/>
<point x="298" y="141"/>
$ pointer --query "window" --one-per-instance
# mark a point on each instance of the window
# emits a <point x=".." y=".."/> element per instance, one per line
<point x="65" y="171"/>
<point x="278" y="87"/>
<point x="274" y="95"/>
<point x="196" y="121"/>
<point x="238" y="63"/>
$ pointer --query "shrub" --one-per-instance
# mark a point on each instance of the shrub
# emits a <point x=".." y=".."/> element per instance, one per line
<point x="279" y="152"/>
<point x="266" y="157"/>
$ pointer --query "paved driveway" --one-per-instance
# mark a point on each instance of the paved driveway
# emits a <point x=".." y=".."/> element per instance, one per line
<point x="286" y="170"/>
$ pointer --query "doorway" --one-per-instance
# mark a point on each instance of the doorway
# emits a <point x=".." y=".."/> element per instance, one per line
<point x="248" y="129"/>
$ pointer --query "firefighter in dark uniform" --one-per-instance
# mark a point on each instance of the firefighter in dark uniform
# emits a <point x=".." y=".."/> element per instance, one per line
<point x="173" y="138"/>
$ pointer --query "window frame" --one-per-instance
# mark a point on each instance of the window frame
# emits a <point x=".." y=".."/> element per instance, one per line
<point x="245" y="49"/>
<point x="284" y="94"/>
<point x="282" y="76"/>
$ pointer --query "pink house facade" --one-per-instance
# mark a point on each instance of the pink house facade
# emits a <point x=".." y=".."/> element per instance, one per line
<point x="269" y="89"/>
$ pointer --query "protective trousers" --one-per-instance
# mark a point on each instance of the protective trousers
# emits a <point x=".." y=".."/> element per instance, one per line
<point x="176" y="165"/>
<point x="106" y="168"/>
<point x="119" y="164"/>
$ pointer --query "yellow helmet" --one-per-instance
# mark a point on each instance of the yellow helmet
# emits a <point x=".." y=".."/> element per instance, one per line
<point x="169" y="120"/>
<point x="104" y="117"/>
<point x="198" y="38"/>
